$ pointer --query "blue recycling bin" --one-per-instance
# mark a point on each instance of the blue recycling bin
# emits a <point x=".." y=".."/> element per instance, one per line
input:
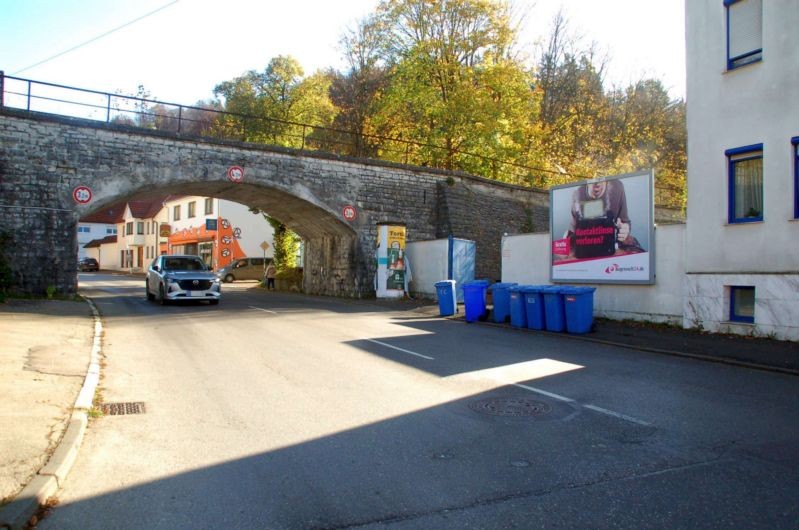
<point x="534" y="306"/>
<point x="518" y="314"/>
<point x="579" y="307"/>
<point x="554" y="311"/>
<point x="474" y="299"/>
<point x="501" y="298"/>
<point x="447" y="303"/>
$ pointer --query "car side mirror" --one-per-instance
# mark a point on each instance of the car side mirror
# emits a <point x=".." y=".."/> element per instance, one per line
<point x="156" y="268"/>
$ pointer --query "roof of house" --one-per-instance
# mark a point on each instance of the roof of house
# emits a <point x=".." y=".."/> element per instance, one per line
<point x="94" y="243"/>
<point x="109" y="215"/>
<point x="146" y="209"/>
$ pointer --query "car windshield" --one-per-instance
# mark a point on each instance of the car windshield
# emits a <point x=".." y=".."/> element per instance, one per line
<point x="184" y="264"/>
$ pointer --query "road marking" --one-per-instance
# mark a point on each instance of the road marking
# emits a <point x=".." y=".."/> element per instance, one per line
<point x="587" y="406"/>
<point x="545" y="393"/>
<point x="401" y="349"/>
<point x="617" y="415"/>
<point x="264" y="310"/>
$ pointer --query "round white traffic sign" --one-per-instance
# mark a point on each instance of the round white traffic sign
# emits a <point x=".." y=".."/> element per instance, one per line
<point x="349" y="213"/>
<point x="235" y="174"/>
<point x="82" y="194"/>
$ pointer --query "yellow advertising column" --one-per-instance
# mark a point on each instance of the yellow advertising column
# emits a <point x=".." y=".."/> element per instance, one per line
<point x="390" y="260"/>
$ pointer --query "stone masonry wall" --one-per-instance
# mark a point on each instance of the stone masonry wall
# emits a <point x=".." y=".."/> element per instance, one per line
<point x="44" y="157"/>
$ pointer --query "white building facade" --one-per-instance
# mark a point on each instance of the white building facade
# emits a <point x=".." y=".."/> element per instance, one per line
<point x="742" y="256"/>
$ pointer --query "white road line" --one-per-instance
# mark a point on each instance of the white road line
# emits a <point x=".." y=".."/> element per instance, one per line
<point x="401" y="349"/>
<point x="545" y="393"/>
<point x="264" y="310"/>
<point x="590" y="407"/>
<point x="617" y="415"/>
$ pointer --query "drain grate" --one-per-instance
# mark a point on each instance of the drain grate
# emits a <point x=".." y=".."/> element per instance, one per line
<point x="121" y="409"/>
<point x="513" y="407"/>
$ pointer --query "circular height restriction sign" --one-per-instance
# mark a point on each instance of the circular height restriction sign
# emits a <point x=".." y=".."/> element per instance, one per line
<point x="82" y="194"/>
<point x="349" y="213"/>
<point x="235" y="174"/>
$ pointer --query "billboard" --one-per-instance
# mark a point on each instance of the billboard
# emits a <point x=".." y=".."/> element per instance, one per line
<point x="602" y="230"/>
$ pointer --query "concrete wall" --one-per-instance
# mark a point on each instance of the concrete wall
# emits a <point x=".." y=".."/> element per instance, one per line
<point x="752" y="104"/>
<point x="525" y="259"/>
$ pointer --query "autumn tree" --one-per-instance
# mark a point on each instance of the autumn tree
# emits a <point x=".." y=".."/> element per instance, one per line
<point x="272" y="105"/>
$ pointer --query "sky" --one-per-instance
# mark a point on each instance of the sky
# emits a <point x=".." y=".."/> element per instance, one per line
<point x="180" y="49"/>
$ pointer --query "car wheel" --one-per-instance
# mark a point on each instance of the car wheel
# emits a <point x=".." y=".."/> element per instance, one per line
<point x="161" y="297"/>
<point x="229" y="278"/>
<point x="150" y="296"/>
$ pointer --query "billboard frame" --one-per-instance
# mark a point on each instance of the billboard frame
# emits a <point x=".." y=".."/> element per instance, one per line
<point x="649" y="175"/>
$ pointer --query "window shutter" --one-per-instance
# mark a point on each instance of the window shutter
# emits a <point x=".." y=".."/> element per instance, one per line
<point x="746" y="27"/>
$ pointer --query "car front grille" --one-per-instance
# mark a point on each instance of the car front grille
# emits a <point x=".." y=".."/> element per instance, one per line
<point x="189" y="285"/>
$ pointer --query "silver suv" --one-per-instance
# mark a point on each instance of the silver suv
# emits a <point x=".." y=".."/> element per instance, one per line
<point x="181" y="278"/>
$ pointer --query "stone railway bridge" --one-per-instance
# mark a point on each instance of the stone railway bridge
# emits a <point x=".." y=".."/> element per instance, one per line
<point x="44" y="157"/>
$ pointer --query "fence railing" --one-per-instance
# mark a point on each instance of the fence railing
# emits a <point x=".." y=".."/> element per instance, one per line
<point x="213" y="122"/>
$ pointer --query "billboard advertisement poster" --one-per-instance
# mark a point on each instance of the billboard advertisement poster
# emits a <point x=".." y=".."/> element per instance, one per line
<point x="603" y="230"/>
<point x="396" y="258"/>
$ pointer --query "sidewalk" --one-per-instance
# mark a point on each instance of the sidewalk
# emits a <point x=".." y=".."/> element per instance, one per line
<point x="45" y="353"/>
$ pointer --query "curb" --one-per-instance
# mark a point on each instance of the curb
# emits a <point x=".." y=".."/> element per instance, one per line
<point x="17" y="514"/>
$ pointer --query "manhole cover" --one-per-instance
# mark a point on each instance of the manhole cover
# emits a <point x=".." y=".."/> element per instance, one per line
<point x="120" y="409"/>
<point x="510" y="407"/>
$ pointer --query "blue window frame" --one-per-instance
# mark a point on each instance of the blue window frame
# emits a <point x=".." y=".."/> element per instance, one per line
<point x="745" y="166"/>
<point x="744" y="32"/>
<point x="742" y="304"/>
<point x="795" y="144"/>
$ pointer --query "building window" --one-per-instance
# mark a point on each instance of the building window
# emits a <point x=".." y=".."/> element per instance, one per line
<point x="192" y="209"/>
<point x="209" y="206"/>
<point x="744" y="32"/>
<point x="795" y="144"/>
<point x="140" y="228"/>
<point x="84" y="229"/>
<point x="746" y="183"/>
<point x="176" y="213"/>
<point x="129" y="229"/>
<point x="111" y="230"/>
<point x="742" y="304"/>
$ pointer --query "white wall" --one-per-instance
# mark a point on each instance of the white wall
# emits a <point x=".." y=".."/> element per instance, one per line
<point x="429" y="262"/>
<point x="752" y="104"/>
<point x="96" y="231"/>
<point x="749" y="105"/>
<point x="255" y="229"/>
<point x="525" y="260"/>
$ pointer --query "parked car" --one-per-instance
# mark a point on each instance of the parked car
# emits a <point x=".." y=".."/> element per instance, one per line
<point x="88" y="265"/>
<point x="172" y="277"/>
<point x="244" y="269"/>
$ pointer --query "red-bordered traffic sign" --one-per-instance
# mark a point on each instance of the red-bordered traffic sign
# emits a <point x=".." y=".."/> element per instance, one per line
<point x="82" y="194"/>
<point x="235" y="174"/>
<point x="349" y="213"/>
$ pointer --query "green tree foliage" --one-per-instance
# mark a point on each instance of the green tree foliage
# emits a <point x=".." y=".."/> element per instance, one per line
<point x="441" y="83"/>
<point x="274" y="104"/>
<point x="287" y="244"/>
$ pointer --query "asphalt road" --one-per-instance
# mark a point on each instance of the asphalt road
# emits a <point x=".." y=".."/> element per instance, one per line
<point x="285" y="411"/>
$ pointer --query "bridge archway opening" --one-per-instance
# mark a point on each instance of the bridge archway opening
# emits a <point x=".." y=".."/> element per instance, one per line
<point x="330" y="265"/>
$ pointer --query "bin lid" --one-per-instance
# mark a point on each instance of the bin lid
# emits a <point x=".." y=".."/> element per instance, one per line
<point x="482" y="284"/>
<point x="501" y="285"/>
<point x="552" y="289"/>
<point x="445" y="283"/>
<point x="577" y="290"/>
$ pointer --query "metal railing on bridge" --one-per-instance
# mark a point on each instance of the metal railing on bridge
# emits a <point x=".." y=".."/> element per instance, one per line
<point x="211" y="121"/>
